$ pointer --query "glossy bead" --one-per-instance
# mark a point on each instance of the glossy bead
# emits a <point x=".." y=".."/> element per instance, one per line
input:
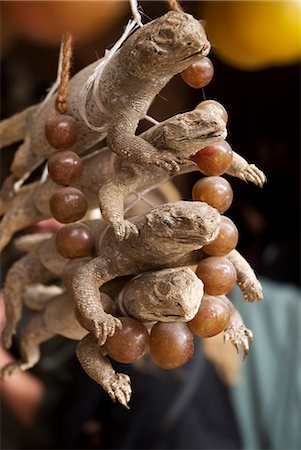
<point x="108" y="305"/>
<point x="128" y="344"/>
<point x="170" y="344"/>
<point x="199" y="74"/>
<point x="226" y="240"/>
<point x="70" y="270"/>
<point x="211" y="319"/>
<point x="68" y="204"/>
<point x="218" y="275"/>
<point x="214" y="159"/>
<point x="215" y="191"/>
<point x="75" y="240"/>
<point x="223" y="112"/>
<point x="65" y="167"/>
<point x="61" y="131"/>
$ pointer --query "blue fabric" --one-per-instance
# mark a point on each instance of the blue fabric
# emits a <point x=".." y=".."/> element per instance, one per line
<point x="267" y="399"/>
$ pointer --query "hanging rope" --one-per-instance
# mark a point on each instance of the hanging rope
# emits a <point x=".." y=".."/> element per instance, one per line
<point x="64" y="73"/>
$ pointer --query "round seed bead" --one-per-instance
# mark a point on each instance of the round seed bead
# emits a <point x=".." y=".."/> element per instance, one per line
<point x="65" y="167"/>
<point x="218" y="275"/>
<point x="215" y="191"/>
<point x="128" y="344"/>
<point x="75" y="240"/>
<point x="199" y="74"/>
<point x="171" y="344"/>
<point x="61" y="131"/>
<point x="68" y="205"/>
<point x="214" y="159"/>
<point x="224" y="114"/>
<point x="226" y="240"/>
<point x="211" y="319"/>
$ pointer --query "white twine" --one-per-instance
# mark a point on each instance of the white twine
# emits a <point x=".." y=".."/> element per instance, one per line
<point x="92" y="84"/>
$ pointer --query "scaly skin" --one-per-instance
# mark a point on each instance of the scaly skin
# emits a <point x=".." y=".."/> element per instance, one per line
<point x="129" y="83"/>
<point x="168" y="295"/>
<point x="112" y="178"/>
<point x="164" y="241"/>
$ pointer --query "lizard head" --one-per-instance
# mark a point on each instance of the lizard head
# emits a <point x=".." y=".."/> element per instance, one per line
<point x="188" y="133"/>
<point x="183" y="223"/>
<point x="166" y="45"/>
<point x="169" y="295"/>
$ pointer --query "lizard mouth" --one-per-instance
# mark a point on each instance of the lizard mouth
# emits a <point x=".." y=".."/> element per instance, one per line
<point x="204" y="51"/>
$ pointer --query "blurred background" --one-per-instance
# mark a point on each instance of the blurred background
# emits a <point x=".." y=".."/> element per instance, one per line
<point x="256" y="49"/>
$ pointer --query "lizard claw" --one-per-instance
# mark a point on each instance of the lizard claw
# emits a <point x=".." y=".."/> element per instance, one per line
<point x="12" y="367"/>
<point x="251" y="290"/>
<point x="124" y="229"/>
<point x="106" y="328"/>
<point x="169" y="163"/>
<point x="119" y="388"/>
<point x="239" y="336"/>
<point x="254" y="175"/>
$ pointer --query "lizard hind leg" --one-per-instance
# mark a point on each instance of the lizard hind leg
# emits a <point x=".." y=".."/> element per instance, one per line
<point x="34" y="333"/>
<point x="26" y="271"/>
<point x="22" y="213"/>
<point x="15" y="128"/>
<point x="99" y="368"/>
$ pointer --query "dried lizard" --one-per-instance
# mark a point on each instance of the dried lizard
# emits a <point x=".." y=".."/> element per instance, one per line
<point x="128" y="84"/>
<point x="170" y="235"/>
<point x="112" y="179"/>
<point x="167" y="295"/>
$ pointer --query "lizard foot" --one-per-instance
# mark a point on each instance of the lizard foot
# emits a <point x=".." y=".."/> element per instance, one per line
<point x="12" y="367"/>
<point x="105" y="327"/>
<point x="251" y="290"/>
<point x="119" y="387"/>
<point x="123" y="229"/>
<point x="254" y="175"/>
<point x="239" y="336"/>
<point x="170" y="163"/>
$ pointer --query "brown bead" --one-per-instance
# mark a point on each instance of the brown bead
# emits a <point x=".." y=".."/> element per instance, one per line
<point x="212" y="317"/>
<point x="199" y="74"/>
<point x="61" y="131"/>
<point x="70" y="270"/>
<point x="226" y="240"/>
<point x="171" y="344"/>
<point x="128" y="344"/>
<point x="75" y="240"/>
<point x="108" y="305"/>
<point x="65" y="167"/>
<point x="218" y="275"/>
<point x="215" y="191"/>
<point x="224" y="114"/>
<point x="68" y="204"/>
<point x="214" y="159"/>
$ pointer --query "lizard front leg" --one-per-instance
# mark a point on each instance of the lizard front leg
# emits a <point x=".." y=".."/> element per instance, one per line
<point x="246" y="279"/>
<point x="111" y="197"/>
<point x="121" y="139"/>
<point x="85" y="290"/>
<point x="240" y="168"/>
<point x="99" y="368"/>
<point x="34" y="333"/>
<point x="25" y="272"/>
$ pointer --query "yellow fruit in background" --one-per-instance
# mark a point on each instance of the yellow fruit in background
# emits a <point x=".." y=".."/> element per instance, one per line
<point x="253" y="35"/>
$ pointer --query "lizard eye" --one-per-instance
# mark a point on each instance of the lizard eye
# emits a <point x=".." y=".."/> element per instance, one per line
<point x="167" y="222"/>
